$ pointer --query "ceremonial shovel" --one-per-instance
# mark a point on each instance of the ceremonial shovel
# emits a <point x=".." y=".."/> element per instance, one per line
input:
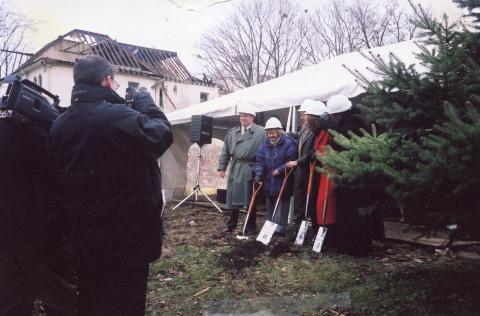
<point x="269" y="227"/>
<point x="250" y="207"/>
<point x="306" y="225"/>
<point x="322" y="231"/>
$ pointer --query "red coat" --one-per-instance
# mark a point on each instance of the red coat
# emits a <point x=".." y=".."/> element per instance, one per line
<point x="320" y="144"/>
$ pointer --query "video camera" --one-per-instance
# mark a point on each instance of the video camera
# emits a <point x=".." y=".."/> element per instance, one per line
<point x="25" y="101"/>
<point x="131" y="94"/>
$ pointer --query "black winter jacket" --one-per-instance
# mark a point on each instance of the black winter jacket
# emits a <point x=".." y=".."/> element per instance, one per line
<point x="104" y="159"/>
<point x="24" y="213"/>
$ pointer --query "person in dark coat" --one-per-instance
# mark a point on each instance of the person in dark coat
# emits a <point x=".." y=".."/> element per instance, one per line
<point x="239" y="152"/>
<point x="104" y="158"/>
<point x="271" y="168"/>
<point x="31" y="241"/>
<point x="301" y="173"/>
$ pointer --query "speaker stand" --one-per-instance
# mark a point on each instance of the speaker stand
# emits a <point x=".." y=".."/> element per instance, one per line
<point x="197" y="188"/>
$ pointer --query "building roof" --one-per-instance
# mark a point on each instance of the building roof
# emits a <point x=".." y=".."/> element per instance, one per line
<point x="125" y="57"/>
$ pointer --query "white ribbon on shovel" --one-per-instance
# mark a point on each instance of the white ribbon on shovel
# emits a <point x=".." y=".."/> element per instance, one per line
<point x="322" y="231"/>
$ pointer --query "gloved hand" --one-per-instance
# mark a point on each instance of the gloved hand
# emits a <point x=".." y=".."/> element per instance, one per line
<point x="143" y="101"/>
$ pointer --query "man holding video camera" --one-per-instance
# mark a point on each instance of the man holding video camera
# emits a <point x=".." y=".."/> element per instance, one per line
<point x="104" y="158"/>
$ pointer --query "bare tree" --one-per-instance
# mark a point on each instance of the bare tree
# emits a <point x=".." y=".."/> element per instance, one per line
<point x="259" y="40"/>
<point x="12" y="29"/>
<point x="263" y="39"/>
<point x="344" y="27"/>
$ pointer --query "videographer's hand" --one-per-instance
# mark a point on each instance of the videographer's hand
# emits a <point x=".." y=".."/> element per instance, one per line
<point x="143" y="102"/>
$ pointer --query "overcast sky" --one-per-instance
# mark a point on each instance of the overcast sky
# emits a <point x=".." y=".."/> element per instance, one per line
<point x="173" y="25"/>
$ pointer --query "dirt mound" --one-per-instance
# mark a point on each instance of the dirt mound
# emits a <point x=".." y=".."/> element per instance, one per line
<point x="242" y="254"/>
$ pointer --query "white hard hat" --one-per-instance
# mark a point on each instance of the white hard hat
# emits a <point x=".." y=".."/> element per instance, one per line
<point x="316" y="108"/>
<point x="246" y="108"/>
<point x="305" y="104"/>
<point x="272" y="123"/>
<point x="338" y="104"/>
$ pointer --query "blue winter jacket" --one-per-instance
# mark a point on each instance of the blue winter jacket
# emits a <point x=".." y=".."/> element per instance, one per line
<point x="269" y="158"/>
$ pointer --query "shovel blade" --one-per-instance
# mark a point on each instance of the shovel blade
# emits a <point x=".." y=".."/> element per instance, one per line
<point x="267" y="232"/>
<point x="302" y="232"/>
<point x="317" y="245"/>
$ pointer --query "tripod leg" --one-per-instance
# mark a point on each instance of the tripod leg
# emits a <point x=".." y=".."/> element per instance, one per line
<point x="211" y="201"/>
<point x="182" y="201"/>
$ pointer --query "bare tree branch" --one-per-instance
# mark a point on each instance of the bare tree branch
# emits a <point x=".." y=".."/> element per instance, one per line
<point x="261" y="39"/>
<point x="12" y="29"/>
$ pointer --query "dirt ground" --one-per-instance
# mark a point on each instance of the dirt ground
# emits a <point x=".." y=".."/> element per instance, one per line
<point x="198" y="268"/>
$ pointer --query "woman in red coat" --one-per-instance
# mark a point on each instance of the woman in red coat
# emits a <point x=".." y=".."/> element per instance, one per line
<point x="317" y="119"/>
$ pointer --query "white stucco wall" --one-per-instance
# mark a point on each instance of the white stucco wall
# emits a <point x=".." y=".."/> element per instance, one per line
<point x="58" y="79"/>
<point x="184" y="95"/>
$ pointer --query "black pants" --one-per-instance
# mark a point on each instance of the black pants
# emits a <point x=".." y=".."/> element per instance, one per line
<point x="233" y="219"/>
<point x="300" y="195"/>
<point x="24" y="278"/>
<point x="112" y="289"/>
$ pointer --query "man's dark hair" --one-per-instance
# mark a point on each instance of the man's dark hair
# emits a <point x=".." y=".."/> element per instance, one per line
<point x="91" y="69"/>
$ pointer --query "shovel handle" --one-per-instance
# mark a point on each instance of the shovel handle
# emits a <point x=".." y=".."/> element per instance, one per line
<point x="252" y="203"/>
<point x="282" y="188"/>
<point x="309" y="188"/>
<point x="310" y="177"/>
<point x="324" y="215"/>
<point x="254" y="195"/>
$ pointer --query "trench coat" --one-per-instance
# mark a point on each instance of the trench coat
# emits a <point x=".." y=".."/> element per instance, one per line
<point x="239" y="151"/>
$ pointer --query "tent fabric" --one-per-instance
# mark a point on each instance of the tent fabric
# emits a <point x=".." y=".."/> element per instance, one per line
<point x="318" y="82"/>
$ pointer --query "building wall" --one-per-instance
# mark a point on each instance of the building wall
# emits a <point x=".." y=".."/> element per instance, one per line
<point x="184" y="95"/>
<point x="58" y="79"/>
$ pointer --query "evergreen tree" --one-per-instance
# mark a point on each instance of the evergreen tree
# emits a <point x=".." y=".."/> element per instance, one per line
<point x="427" y="158"/>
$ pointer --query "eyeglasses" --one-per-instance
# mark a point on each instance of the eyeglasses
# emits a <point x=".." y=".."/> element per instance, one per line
<point x="113" y="84"/>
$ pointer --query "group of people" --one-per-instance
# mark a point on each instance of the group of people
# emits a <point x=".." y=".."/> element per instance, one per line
<point x="80" y="205"/>
<point x="266" y="155"/>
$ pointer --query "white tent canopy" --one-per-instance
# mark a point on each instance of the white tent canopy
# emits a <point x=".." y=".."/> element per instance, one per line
<point x="318" y="82"/>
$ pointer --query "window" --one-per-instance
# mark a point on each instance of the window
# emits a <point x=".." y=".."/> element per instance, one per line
<point x="160" y="100"/>
<point x="40" y="80"/>
<point x="35" y="80"/>
<point x="203" y="96"/>
<point x="133" y="84"/>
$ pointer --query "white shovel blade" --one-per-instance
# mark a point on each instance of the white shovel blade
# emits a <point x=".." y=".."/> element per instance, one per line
<point x="267" y="232"/>
<point x="302" y="232"/>
<point x="317" y="246"/>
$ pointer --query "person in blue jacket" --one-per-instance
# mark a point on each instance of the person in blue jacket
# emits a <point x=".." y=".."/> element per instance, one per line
<point x="272" y="157"/>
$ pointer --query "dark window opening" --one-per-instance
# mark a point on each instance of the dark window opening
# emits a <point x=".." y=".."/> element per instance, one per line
<point x="133" y="84"/>
<point x="203" y="96"/>
<point x="160" y="100"/>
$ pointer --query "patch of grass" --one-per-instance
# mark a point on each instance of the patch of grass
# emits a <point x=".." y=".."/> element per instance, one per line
<point x="194" y="277"/>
